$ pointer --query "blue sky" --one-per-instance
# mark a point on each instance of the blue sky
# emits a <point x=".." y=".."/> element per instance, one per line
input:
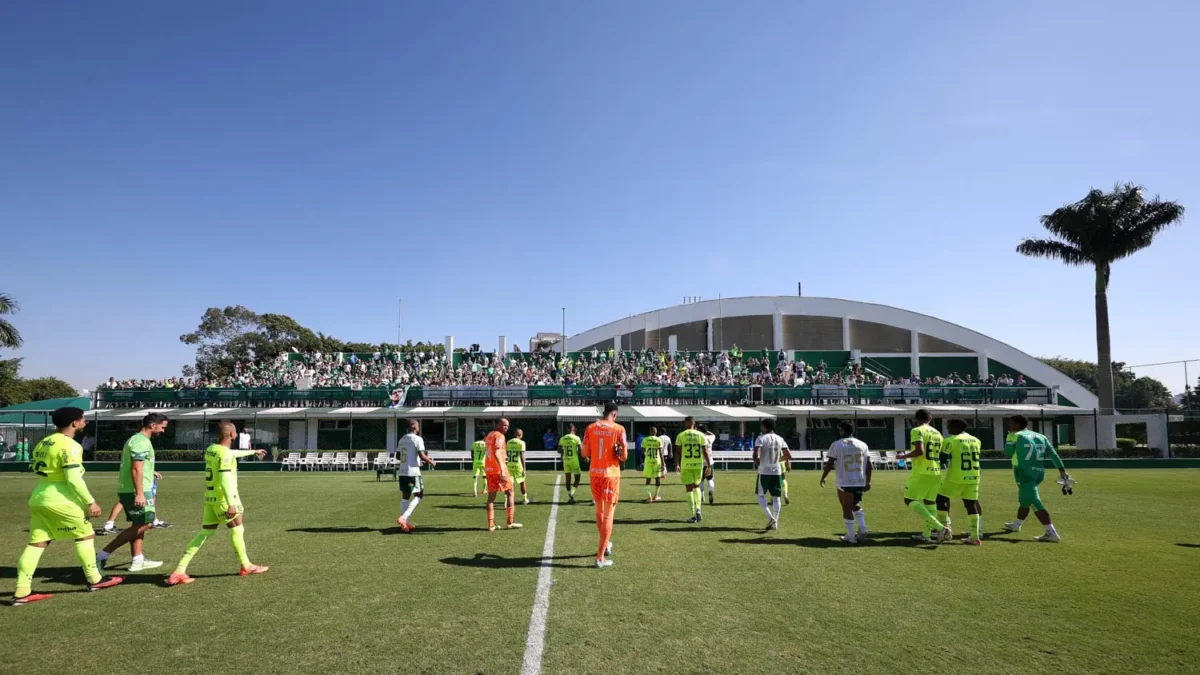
<point x="491" y="163"/>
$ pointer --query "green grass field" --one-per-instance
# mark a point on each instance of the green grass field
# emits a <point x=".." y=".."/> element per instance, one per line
<point x="348" y="592"/>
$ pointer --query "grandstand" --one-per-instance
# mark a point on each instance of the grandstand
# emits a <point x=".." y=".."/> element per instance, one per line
<point x="806" y="362"/>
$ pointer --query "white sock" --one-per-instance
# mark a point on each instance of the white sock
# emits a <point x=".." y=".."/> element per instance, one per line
<point x="138" y="558"/>
<point x="403" y="507"/>
<point x="778" y="507"/>
<point x="102" y="555"/>
<point x="861" y="518"/>
<point x="412" y="506"/>
<point x="849" y="528"/>
<point x="109" y="524"/>
<point x="762" y="501"/>
<point x="1050" y="529"/>
<point x="712" y="484"/>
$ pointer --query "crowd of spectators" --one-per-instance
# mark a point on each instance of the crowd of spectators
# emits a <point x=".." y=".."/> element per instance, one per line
<point x="595" y="368"/>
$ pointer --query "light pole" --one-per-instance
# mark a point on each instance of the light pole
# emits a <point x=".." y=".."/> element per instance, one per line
<point x="564" y="334"/>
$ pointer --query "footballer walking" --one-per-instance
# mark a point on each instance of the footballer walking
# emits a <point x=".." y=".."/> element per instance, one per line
<point x="605" y="448"/>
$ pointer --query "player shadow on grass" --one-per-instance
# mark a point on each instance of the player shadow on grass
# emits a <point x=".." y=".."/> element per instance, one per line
<point x="700" y="527"/>
<point x="834" y="542"/>
<point x="395" y="529"/>
<point x="74" y="576"/>
<point x="492" y="561"/>
<point x="1188" y="545"/>
<point x="631" y="521"/>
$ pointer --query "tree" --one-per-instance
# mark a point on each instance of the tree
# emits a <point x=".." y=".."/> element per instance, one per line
<point x="12" y="387"/>
<point x="9" y="336"/>
<point x="1130" y="392"/>
<point x="1097" y="231"/>
<point x="42" y="388"/>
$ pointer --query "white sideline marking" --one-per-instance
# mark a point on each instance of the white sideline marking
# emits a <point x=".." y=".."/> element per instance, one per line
<point x="535" y="641"/>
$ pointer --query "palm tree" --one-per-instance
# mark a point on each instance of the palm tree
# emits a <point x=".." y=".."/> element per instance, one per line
<point x="1097" y="231"/>
<point x="9" y="336"/>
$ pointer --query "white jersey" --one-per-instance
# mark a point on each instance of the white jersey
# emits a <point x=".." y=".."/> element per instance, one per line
<point x="770" y="453"/>
<point x="851" y="458"/>
<point x="408" y="452"/>
<point x="666" y="445"/>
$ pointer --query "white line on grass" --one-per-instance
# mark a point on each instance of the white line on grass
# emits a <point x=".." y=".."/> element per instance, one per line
<point x="535" y="641"/>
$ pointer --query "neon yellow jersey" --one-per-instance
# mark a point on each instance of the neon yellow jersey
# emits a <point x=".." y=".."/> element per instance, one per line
<point x="569" y="445"/>
<point x="963" y="450"/>
<point x="219" y="459"/>
<point x="929" y="463"/>
<point x="53" y="455"/>
<point x="516" y="448"/>
<point x="478" y="452"/>
<point x="652" y="449"/>
<point x="691" y="444"/>
<point x="1010" y="442"/>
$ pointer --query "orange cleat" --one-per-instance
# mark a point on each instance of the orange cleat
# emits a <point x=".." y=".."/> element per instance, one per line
<point x="105" y="582"/>
<point x="32" y="597"/>
<point x="404" y="524"/>
<point x="177" y="578"/>
<point x="253" y="569"/>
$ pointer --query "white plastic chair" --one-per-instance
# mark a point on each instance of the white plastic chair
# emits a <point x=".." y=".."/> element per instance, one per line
<point x="290" y="461"/>
<point x="311" y="460"/>
<point x="341" y="460"/>
<point x="326" y="461"/>
<point x="359" y="461"/>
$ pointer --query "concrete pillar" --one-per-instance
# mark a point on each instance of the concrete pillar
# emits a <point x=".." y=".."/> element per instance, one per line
<point x="983" y="367"/>
<point x="777" y="332"/>
<point x="998" y="432"/>
<point x="899" y="438"/>
<point x="470" y="431"/>
<point x="502" y="347"/>
<point x="450" y="349"/>
<point x="391" y="433"/>
<point x="616" y="343"/>
<point x="915" y="347"/>
<point x="845" y="333"/>
<point x="710" y="334"/>
<point x="672" y="344"/>
<point x="311" y="441"/>
<point x="802" y="432"/>
<point x="1156" y="433"/>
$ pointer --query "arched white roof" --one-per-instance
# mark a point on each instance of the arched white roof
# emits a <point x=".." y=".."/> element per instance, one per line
<point x="864" y="311"/>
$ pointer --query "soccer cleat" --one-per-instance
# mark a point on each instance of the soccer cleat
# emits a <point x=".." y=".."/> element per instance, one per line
<point x="693" y="519"/>
<point x="649" y="499"/>
<point x="513" y="526"/>
<point x="711" y="496"/>
<point x="973" y="542"/>
<point x="144" y="565"/>
<point x="253" y="569"/>
<point x="601" y="564"/>
<point x="848" y="539"/>
<point x="527" y="501"/>
<point x="31" y="598"/>
<point x="862" y="534"/>
<point x="404" y="524"/>
<point x="108" y="531"/>
<point x="1014" y="526"/>
<point x="699" y="516"/>
<point x="571" y="499"/>
<point x="775" y="524"/>
<point x="105" y="582"/>
<point x="491" y="528"/>
<point x="161" y="525"/>
<point x="772" y="524"/>
<point x="608" y="550"/>
<point x="1051" y="537"/>
<point x="943" y="536"/>
<point x="786" y="500"/>
<point x="657" y="498"/>
<point x="179" y="578"/>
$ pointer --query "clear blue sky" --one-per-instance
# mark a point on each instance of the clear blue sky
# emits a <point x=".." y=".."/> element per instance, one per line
<point x="491" y="162"/>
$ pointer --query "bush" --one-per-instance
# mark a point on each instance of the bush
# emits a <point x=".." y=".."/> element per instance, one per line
<point x="1126" y="443"/>
<point x="159" y="455"/>
<point x="1185" y="451"/>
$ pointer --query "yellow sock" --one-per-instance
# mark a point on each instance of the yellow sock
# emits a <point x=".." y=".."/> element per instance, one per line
<point x="85" y="551"/>
<point x="26" y="566"/>
<point x="237" y="535"/>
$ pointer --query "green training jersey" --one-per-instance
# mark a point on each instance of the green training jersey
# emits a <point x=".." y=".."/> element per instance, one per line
<point x="569" y="445"/>
<point x="691" y="444"/>
<point x="516" y="448"/>
<point x="138" y="447"/>
<point x="1029" y="450"/>
<point x="929" y="463"/>
<point x="478" y="450"/>
<point x="53" y="455"/>
<point x="652" y="449"/>
<point x="219" y="459"/>
<point x="963" y="450"/>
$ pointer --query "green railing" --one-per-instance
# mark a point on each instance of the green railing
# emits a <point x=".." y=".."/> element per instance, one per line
<point x="558" y="395"/>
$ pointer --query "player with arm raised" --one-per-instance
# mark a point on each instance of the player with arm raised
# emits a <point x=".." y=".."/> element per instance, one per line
<point x="411" y="452"/>
<point x="1029" y="451"/>
<point x="691" y="456"/>
<point x="606" y="450"/>
<point x="962" y="479"/>
<point x="654" y="463"/>
<point x="921" y="489"/>
<point x="852" y="459"/>
<point x="222" y="504"/>
<point x="569" y="446"/>
<point x="770" y="454"/>
<point x="59" y="507"/>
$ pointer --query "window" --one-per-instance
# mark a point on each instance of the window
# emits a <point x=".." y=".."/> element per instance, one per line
<point x="333" y="425"/>
<point x="451" y="431"/>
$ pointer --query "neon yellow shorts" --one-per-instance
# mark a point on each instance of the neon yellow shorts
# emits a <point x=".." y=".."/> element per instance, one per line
<point x="517" y="472"/>
<point x="960" y="491"/>
<point x="214" y="514"/>
<point x="652" y="470"/>
<point x="57" y="519"/>
<point x="691" y="475"/>
<point x="922" y="488"/>
<point x="571" y="466"/>
<point x="478" y="470"/>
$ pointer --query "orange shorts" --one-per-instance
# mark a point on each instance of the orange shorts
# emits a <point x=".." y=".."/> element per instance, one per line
<point x="605" y="488"/>
<point x="499" y="483"/>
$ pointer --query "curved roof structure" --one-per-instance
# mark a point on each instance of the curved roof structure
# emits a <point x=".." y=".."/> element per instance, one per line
<point x="804" y="324"/>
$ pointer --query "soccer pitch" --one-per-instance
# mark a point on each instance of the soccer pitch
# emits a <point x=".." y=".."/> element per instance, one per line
<point x="348" y="592"/>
